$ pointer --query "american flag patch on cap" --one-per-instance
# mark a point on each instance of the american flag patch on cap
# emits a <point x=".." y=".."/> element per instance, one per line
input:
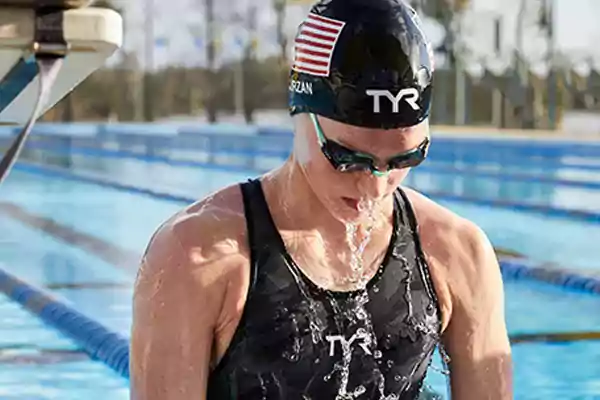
<point x="315" y="43"/>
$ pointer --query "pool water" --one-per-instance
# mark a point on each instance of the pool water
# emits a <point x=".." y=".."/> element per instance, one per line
<point x="543" y="193"/>
<point x="433" y="176"/>
<point x="542" y="371"/>
<point x="570" y="243"/>
<point x="24" y="339"/>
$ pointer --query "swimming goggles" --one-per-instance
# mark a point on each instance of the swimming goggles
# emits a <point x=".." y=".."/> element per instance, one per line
<point x="344" y="159"/>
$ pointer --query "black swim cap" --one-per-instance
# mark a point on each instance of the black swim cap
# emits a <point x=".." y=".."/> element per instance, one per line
<point x="362" y="62"/>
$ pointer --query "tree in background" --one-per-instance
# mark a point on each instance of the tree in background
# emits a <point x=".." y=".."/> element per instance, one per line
<point x="279" y="6"/>
<point x="447" y="13"/>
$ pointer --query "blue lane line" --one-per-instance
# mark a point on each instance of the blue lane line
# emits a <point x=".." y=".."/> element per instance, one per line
<point x="122" y="154"/>
<point x="571" y="214"/>
<point x="426" y="168"/>
<point x="223" y="134"/>
<point x="234" y="148"/>
<point x="63" y="174"/>
<point x="579" y="215"/>
<point x="515" y="163"/>
<point x="514" y="268"/>
<point x="452" y="147"/>
<point x="520" y="269"/>
<point x="95" y="339"/>
<point x="112" y="349"/>
<point x="506" y="177"/>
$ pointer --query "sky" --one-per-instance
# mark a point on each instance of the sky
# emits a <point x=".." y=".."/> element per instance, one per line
<point x="178" y="26"/>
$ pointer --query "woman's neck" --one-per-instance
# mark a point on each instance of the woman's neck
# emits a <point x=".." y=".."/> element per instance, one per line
<point x="296" y="207"/>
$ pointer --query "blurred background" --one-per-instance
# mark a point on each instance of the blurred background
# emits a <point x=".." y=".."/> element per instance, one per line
<point x="196" y="100"/>
<point x="527" y="64"/>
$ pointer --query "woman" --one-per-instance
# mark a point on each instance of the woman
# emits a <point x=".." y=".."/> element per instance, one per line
<point x="325" y="279"/>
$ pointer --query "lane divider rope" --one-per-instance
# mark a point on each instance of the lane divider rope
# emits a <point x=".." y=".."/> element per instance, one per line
<point x="92" y="337"/>
<point x="432" y="167"/>
<point x="554" y="337"/>
<point x="522" y="269"/>
<point x="572" y="214"/>
<point x="112" y="349"/>
<point x="512" y="268"/>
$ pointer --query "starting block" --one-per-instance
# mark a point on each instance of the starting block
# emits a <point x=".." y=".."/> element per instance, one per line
<point x="47" y="47"/>
<point x="92" y="35"/>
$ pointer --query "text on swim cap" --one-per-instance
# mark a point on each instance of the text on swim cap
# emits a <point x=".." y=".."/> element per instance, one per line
<point x="409" y="95"/>
<point x="301" y="87"/>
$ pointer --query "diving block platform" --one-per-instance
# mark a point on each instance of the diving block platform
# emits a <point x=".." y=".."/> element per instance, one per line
<point x="90" y="35"/>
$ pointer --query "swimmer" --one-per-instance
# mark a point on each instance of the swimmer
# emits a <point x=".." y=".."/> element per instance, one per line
<point x="326" y="278"/>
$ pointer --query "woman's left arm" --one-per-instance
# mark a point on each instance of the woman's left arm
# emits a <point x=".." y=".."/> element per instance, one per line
<point x="476" y="338"/>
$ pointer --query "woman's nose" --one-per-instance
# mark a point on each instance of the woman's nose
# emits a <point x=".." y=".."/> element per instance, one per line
<point x="374" y="185"/>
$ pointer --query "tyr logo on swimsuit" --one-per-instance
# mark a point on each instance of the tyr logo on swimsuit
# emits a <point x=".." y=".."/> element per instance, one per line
<point x="410" y="95"/>
<point x="363" y="342"/>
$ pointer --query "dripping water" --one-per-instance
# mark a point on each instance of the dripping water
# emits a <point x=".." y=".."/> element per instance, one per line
<point x="316" y="325"/>
<point x="294" y="354"/>
<point x="358" y="278"/>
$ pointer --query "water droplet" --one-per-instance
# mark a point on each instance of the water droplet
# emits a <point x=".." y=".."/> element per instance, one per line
<point x="359" y="390"/>
<point x="440" y="370"/>
<point x="375" y="289"/>
<point x="291" y="356"/>
<point x="386" y="343"/>
<point x="398" y="378"/>
<point x="390" y="363"/>
<point x="377" y="354"/>
<point x="444" y="354"/>
<point x="317" y="360"/>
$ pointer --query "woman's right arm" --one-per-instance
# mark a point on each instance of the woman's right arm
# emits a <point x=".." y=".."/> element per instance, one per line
<point x="176" y="305"/>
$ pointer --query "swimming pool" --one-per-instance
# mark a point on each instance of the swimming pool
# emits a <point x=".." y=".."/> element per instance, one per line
<point x="38" y="363"/>
<point x="571" y="243"/>
<point x="542" y="371"/>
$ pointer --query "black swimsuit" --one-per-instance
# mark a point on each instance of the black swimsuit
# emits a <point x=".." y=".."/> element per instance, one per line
<point x="298" y="341"/>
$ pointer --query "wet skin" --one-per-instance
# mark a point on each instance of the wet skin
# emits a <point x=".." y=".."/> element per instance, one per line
<point x="192" y="287"/>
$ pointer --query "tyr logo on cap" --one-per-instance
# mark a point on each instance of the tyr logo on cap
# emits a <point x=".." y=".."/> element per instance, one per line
<point x="409" y="95"/>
